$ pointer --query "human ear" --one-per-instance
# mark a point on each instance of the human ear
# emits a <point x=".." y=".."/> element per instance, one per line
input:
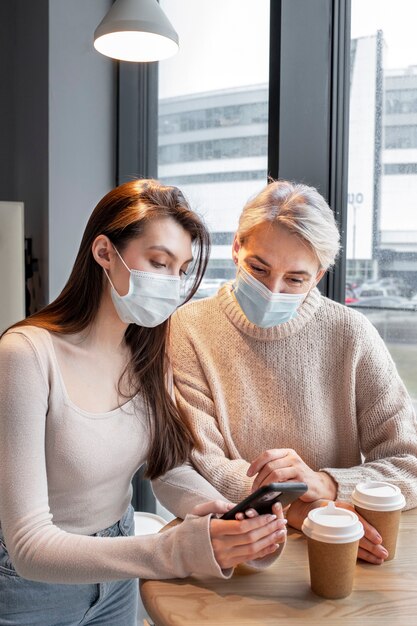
<point x="102" y="251"/>
<point x="319" y="276"/>
<point x="235" y="249"/>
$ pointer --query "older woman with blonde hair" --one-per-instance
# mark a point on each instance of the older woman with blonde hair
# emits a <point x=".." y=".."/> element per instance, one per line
<point x="283" y="384"/>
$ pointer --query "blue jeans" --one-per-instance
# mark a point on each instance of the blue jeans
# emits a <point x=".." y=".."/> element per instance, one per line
<point x="29" y="603"/>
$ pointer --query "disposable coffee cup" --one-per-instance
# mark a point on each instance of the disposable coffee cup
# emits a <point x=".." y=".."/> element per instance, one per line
<point x="380" y="504"/>
<point x="333" y="539"/>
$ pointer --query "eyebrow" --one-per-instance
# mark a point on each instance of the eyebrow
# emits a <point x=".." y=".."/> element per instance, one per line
<point x="298" y="272"/>
<point x="168" y="252"/>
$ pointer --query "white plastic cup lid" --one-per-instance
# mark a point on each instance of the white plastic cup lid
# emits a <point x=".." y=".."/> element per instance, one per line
<point x="378" y="496"/>
<point x="332" y="524"/>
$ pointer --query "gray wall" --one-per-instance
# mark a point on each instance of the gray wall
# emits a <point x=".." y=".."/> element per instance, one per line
<point x="57" y="124"/>
<point x="82" y="114"/>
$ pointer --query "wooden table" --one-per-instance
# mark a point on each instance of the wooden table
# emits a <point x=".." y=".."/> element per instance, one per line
<point x="382" y="594"/>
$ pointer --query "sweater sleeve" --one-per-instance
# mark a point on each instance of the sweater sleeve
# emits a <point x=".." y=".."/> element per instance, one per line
<point x="386" y="423"/>
<point x="182" y="488"/>
<point x="39" y="549"/>
<point x="217" y="459"/>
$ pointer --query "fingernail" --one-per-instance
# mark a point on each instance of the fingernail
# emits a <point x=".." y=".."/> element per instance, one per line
<point x="378" y="536"/>
<point x="270" y="518"/>
<point x="250" y="513"/>
<point x="384" y="551"/>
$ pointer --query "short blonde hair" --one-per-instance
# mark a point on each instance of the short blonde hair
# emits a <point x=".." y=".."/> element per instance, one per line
<point x="299" y="208"/>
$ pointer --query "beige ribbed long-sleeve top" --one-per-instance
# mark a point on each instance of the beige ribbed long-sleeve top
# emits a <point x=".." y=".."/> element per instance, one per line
<point x="322" y="384"/>
<point x="66" y="473"/>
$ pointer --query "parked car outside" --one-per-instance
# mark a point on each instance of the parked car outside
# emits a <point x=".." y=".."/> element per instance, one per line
<point x="368" y="284"/>
<point x="377" y="291"/>
<point x="386" y="302"/>
<point x="387" y="286"/>
<point x="394" y="317"/>
<point x="401" y="287"/>
<point x="350" y="295"/>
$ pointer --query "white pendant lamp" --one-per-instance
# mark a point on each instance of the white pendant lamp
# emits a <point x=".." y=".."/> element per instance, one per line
<point x="136" y="30"/>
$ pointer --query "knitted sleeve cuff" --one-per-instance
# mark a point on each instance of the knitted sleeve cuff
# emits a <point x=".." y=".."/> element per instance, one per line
<point x="346" y="480"/>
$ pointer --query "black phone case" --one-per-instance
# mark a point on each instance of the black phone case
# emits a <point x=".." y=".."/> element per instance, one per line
<point x="264" y="497"/>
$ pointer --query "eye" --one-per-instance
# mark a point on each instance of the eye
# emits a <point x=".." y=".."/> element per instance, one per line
<point x="157" y="265"/>
<point x="256" y="268"/>
<point x="296" y="281"/>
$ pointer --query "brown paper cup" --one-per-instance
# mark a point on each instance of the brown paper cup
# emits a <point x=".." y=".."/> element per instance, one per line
<point x="332" y="567"/>
<point x="387" y="524"/>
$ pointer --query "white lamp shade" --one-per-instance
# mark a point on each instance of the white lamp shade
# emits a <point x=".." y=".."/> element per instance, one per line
<point x="136" y="30"/>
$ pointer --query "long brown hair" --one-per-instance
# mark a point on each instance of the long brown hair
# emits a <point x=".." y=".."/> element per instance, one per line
<point x="122" y="215"/>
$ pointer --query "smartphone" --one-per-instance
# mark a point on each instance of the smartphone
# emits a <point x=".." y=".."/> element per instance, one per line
<point x="263" y="498"/>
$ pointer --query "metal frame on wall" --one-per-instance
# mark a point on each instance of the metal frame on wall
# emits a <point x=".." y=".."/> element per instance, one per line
<point x="339" y="138"/>
<point x="309" y="105"/>
<point x="137" y="157"/>
<point x="137" y="125"/>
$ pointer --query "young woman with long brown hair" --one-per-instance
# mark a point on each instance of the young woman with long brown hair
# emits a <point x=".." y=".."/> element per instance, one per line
<point x="84" y="402"/>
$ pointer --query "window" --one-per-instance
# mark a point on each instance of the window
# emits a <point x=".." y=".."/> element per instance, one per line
<point x="400" y="136"/>
<point x="213" y="115"/>
<point x="233" y="148"/>
<point x="400" y="100"/>
<point x="381" y="265"/>
<point x="215" y="98"/>
<point x="400" y="168"/>
<point x="216" y="117"/>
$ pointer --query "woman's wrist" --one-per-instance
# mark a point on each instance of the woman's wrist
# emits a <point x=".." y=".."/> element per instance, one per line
<point x="298" y="511"/>
<point x="329" y="486"/>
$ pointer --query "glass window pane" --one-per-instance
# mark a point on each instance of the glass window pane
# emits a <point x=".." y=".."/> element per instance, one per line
<point x="213" y="115"/>
<point x="381" y="278"/>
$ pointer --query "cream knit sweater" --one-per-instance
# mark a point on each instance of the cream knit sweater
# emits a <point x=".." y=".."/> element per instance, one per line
<point x="323" y="384"/>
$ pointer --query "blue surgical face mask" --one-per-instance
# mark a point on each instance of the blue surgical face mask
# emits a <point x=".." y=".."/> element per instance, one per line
<point x="151" y="299"/>
<point x="261" y="306"/>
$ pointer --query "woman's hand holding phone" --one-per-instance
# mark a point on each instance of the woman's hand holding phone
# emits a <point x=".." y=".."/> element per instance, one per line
<point x="237" y="541"/>
<point x="283" y="465"/>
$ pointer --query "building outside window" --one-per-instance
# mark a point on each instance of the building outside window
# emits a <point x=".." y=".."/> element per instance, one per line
<point x="381" y="276"/>
<point x="213" y="115"/>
